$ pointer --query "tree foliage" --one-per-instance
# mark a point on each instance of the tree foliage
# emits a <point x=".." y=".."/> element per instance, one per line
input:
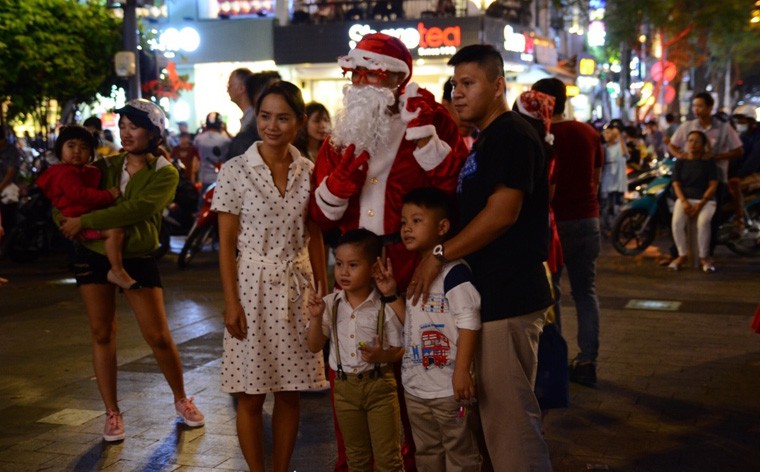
<point x="54" y="49"/>
<point x="695" y="31"/>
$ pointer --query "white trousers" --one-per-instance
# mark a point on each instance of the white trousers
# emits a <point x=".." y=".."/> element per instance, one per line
<point x="681" y="221"/>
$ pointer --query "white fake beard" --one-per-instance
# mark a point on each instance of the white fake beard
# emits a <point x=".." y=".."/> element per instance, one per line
<point x="365" y="118"/>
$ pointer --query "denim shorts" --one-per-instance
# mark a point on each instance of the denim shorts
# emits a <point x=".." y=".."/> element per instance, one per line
<point x="90" y="267"/>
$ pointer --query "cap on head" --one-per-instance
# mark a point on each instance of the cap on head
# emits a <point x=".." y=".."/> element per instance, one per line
<point x="378" y="51"/>
<point x="747" y="111"/>
<point x="144" y="112"/>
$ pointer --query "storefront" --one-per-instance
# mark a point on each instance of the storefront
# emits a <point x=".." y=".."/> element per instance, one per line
<point x="307" y="54"/>
<point x="207" y="52"/>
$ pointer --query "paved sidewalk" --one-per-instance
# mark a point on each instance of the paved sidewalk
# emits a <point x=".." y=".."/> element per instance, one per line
<point x="678" y="390"/>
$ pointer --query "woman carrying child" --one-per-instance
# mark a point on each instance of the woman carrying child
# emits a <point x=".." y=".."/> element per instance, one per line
<point x="73" y="186"/>
<point x="147" y="182"/>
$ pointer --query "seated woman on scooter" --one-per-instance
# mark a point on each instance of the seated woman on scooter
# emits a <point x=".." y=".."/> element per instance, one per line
<point x="695" y="180"/>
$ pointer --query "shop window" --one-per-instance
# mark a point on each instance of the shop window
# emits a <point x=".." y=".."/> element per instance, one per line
<point x="230" y="9"/>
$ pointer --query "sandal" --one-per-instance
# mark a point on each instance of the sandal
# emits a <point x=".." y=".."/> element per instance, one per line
<point x="675" y="264"/>
<point x="707" y="266"/>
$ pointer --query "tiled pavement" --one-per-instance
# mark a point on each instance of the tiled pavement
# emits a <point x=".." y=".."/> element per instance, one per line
<point x="678" y="390"/>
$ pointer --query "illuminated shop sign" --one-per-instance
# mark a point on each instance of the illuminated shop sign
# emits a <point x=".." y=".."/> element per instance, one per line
<point x="518" y="42"/>
<point x="428" y="41"/>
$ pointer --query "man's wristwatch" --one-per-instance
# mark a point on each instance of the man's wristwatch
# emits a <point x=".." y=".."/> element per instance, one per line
<point x="438" y="254"/>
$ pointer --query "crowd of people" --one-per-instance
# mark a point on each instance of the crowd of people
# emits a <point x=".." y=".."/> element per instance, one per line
<point x="451" y="228"/>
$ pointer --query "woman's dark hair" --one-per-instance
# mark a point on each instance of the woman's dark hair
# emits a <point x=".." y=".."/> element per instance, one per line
<point x="705" y="141"/>
<point x="302" y="137"/>
<point x="289" y="92"/>
<point x="69" y="132"/>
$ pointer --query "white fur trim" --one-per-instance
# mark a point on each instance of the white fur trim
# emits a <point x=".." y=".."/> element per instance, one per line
<point x="433" y="153"/>
<point x="419" y="132"/>
<point x="332" y="207"/>
<point x="373" y="61"/>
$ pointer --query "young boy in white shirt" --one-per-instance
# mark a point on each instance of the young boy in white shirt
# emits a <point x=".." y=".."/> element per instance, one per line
<point x="362" y="322"/>
<point x="440" y="338"/>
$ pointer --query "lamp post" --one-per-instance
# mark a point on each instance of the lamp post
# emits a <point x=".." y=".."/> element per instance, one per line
<point x="130" y="44"/>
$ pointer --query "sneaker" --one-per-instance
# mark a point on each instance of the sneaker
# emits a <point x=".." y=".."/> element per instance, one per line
<point x="114" y="428"/>
<point x="189" y="413"/>
<point x="584" y="374"/>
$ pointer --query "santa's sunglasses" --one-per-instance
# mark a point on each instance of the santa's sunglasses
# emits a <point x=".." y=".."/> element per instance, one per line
<point x="364" y="75"/>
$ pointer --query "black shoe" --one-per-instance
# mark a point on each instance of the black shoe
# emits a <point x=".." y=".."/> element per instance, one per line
<point x="584" y="374"/>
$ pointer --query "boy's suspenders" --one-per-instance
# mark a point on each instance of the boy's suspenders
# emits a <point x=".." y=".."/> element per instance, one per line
<point x="380" y="325"/>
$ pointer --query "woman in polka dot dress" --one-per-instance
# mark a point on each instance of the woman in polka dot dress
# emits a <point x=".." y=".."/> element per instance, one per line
<point x="268" y="251"/>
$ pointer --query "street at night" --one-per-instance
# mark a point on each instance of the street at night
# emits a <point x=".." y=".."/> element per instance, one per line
<point x="677" y="389"/>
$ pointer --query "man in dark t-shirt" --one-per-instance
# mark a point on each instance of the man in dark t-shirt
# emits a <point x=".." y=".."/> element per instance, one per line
<point x="504" y="236"/>
<point x="578" y="162"/>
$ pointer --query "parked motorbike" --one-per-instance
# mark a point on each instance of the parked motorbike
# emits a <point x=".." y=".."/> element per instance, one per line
<point x="637" y="225"/>
<point x="203" y="232"/>
<point x="34" y="233"/>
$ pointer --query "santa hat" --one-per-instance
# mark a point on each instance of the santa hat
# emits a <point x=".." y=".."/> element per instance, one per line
<point x="378" y="51"/>
<point x="539" y="106"/>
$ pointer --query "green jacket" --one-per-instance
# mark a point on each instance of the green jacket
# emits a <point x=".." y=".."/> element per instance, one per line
<point x="139" y="210"/>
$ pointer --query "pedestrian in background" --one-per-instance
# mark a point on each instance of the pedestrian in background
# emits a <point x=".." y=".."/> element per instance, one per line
<point x="10" y="163"/>
<point x="503" y="197"/>
<point x="314" y="132"/>
<point x="695" y="181"/>
<point x="614" y="181"/>
<point x="186" y="153"/>
<point x="578" y="163"/>
<point x="212" y="145"/>
<point x="725" y="146"/>
<point x="147" y="181"/>
<point x="269" y="254"/>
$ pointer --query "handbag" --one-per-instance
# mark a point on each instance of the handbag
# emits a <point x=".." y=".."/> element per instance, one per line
<point x="553" y="375"/>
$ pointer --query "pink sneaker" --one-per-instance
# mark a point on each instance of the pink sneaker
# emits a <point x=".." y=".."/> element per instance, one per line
<point x="114" y="428"/>
<point x="189" y="413"/>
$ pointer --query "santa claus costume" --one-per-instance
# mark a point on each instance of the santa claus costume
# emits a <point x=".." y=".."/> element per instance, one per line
<point x="374" y="202"/>
<point x="362" y="186"/>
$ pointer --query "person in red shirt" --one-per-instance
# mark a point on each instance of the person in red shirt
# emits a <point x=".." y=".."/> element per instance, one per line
<point x="578" y="163"/>
<point x="188" y="155"/>
<point x="73" y="188"/>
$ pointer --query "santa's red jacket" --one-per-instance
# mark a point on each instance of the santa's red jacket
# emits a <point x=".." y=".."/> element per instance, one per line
<point x="402" y="167"/>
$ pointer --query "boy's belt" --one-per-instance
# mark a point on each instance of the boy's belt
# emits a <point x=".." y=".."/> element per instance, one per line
<point x="366" y="375"/>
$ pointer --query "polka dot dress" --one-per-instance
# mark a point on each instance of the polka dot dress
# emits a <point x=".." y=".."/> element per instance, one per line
<point x="274" y="274"/>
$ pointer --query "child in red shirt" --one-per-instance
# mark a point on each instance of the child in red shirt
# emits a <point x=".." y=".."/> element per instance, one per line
<point x="73" y="188"/>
